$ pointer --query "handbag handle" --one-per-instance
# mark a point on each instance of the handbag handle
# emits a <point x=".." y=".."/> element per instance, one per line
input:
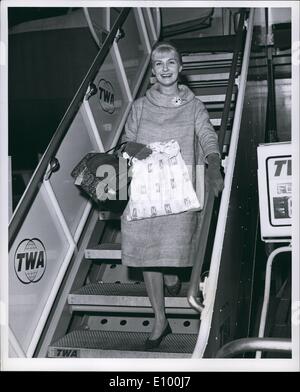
<point x="116" y="147"/>
<point x="121" y="144"/>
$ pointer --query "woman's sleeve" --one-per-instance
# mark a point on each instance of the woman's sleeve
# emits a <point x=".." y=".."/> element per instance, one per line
<point x="131" y="126"/>
<point x="207" y="136"/>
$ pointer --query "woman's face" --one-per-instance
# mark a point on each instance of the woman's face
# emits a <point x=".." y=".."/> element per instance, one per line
<point x="165" y="67"/>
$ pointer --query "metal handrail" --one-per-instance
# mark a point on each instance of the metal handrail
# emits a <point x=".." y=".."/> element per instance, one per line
<point x="240" y="346"/>
<point x="37" y="178"/>
<point x="219" y="235"/>
<point x="192" y="294"/>
<point x="271" y="123"/>
<point x="233" y="69"/>
<point x="267" y="289"/>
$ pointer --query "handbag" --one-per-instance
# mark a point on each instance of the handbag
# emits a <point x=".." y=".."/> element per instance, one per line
<point x="109" y="192"/>
<point x="104" y="178"/>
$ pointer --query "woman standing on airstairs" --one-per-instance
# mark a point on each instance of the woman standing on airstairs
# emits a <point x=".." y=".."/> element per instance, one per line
<point x="168" y="111"/>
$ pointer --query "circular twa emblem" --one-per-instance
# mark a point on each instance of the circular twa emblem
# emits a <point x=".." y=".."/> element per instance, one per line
<point x="106" y="96"/>
<point x="30" y="261"/>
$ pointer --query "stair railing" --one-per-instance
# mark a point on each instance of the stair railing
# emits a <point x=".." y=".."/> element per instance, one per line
<point x="62" y="129"/>
<point x="271" y="123"/>
<point x="241" y="346"/>
<point x="264" y="310"/>
<point x="193" y="290"/>
<point x="212" y="283"/>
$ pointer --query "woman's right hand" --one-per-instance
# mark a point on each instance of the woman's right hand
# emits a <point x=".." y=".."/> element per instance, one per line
<point x="137" y="150"/>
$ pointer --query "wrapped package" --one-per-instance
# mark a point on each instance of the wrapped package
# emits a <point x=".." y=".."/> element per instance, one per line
<point x="161" y="184"/>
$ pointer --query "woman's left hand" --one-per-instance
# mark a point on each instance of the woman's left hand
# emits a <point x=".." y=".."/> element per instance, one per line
<point x="214" y="175"/>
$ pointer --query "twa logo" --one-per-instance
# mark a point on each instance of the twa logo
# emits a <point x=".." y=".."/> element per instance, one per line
<point x="106" y="96"/>
<point x="30" y="261"/>
<point x="66" y="353"/>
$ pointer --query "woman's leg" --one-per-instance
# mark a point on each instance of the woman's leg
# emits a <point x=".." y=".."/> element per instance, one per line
<point x="155" y="289"/>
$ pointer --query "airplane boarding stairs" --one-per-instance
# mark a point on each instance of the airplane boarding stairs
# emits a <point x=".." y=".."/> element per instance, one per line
<point x="101" y="308"/>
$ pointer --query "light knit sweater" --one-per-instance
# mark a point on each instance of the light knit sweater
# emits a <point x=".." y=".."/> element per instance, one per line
<point x="168" y="241"/>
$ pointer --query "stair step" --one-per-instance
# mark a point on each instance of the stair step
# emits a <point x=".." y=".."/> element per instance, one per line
<point x="123" y="294"/>
<point x="219" y="43"/>
<point x="216" y="122"/>
<point x="112" y="344"/>
<point x="224" y="76"/>
<point x="213" y="90"/>
<point x="215" y="118"/>
<point x="109" y="251"/>
<point x="214" y="98"/>
<point x="206" y="84"/>
<point x="206" y="57"/>
<point x="206" y="69"/>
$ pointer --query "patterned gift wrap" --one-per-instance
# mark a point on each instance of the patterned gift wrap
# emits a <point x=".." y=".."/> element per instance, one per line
<point x="161" y="184"/>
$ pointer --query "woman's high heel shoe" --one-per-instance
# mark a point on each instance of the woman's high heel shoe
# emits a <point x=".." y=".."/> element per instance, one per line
<point x="153" y="343"/>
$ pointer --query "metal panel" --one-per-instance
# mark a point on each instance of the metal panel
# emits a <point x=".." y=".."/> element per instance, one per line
<point x="134" y="48"/>
<point x="98" y="353"/>
<point x="109" y="105"/>
<point x="128" y="309"/>
<point x="109" y="340"/>
<point x="36" y="257"/>
<point x="60" y="316"/>
<point x="44" y="245"/>
<point x="139" y="323"/>
<point x="75" y="145"/>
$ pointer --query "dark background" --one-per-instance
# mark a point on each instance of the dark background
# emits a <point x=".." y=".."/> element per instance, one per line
<point x="46" y="68"/>
<point x="18" y="15"/>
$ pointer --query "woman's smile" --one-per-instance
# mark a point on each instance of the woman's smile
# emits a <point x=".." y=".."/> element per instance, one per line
<point x="166" y="75"/>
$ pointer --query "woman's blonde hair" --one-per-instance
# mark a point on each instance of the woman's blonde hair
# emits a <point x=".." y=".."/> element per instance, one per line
<point x="162" y="47"/>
